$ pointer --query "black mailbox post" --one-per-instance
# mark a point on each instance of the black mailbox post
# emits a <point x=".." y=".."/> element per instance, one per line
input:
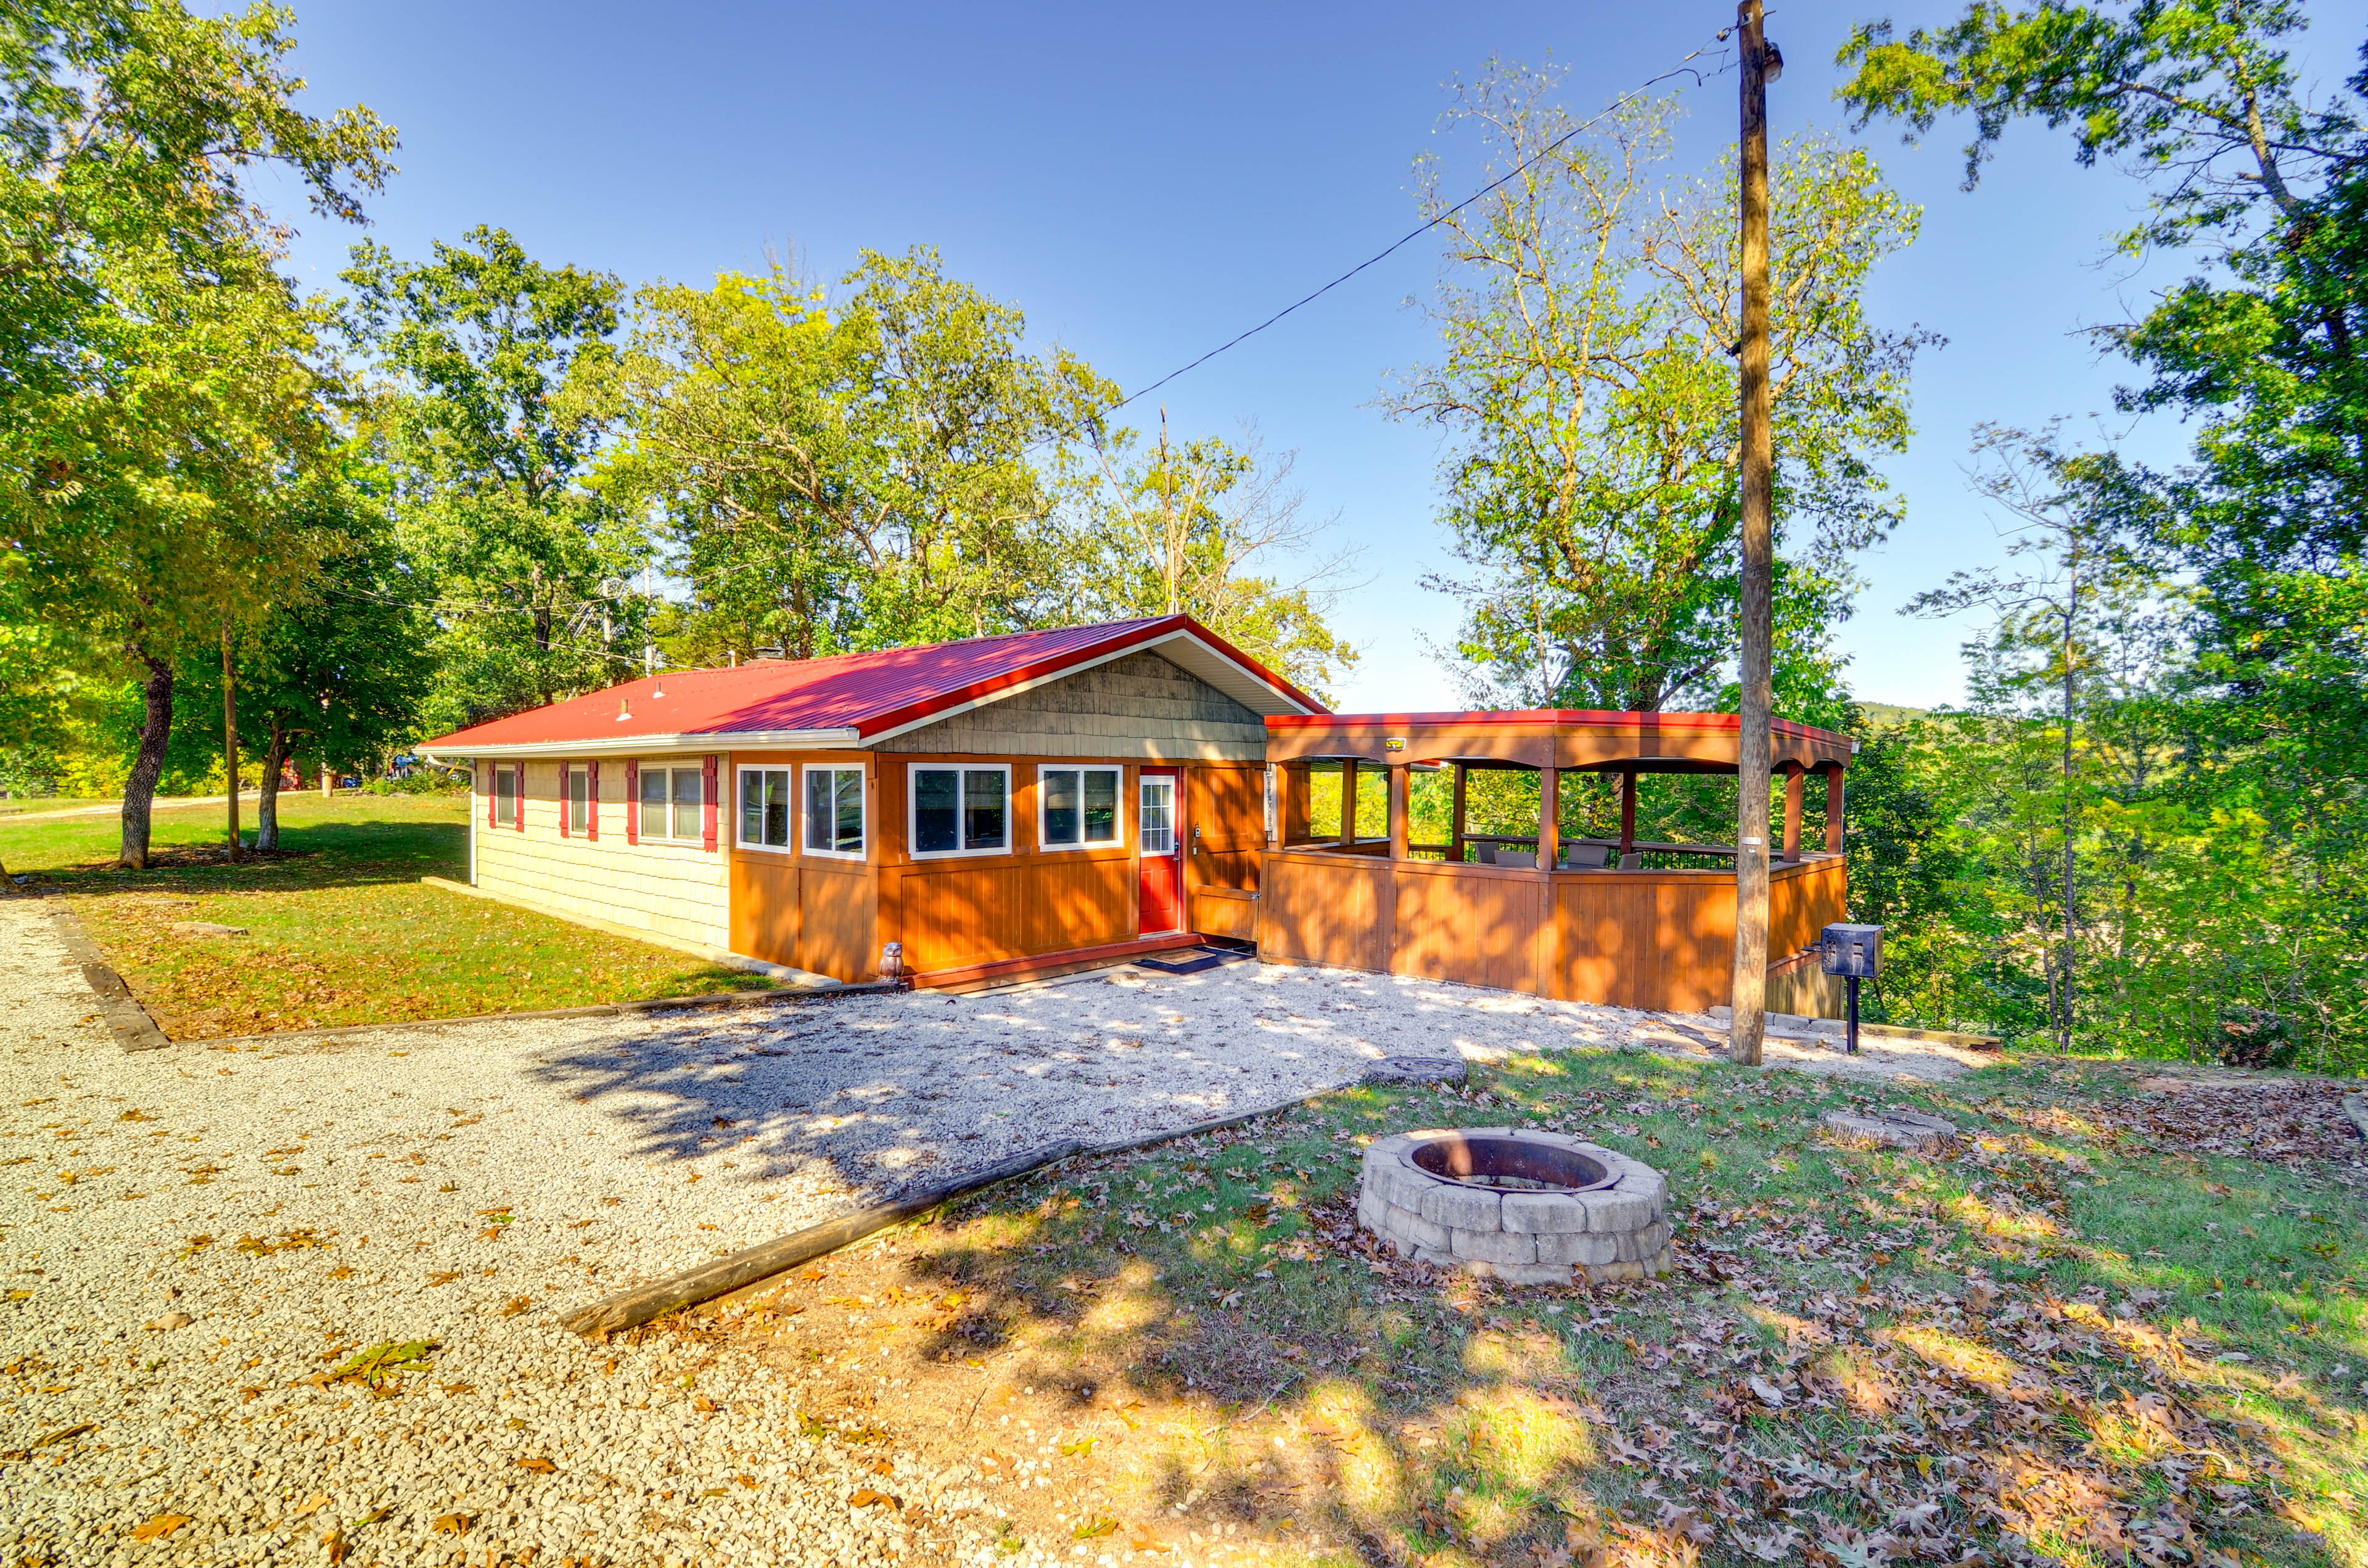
<point x="1855" y="953"/>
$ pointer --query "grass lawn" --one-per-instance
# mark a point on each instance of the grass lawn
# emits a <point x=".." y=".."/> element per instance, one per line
<point x="2097" y="1332"/>
<point x="339" y="928"/>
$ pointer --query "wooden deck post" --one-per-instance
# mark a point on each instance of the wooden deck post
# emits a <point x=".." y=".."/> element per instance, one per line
<point x="1401" y="780"/>
<point x="1456" y="821"/>
<point x="1833" y="811"/>
<point x="1349" y="803"/>
<point x="1627" y="812"/>
<point x="1294" y="792"/>
<point x="1793" y="786"/>
<point x="1549" y="818"/>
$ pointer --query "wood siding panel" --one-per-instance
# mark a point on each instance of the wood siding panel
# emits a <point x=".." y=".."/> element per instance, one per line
<point x="953" y="915"/>
<point x="766" y="909"/>
<point x="668" y="889"/>
<point x="1224" y="912"/>
<point x="1476" y="928"/>
<point x="1324" y="909"/>
<point x="837" y="920"/>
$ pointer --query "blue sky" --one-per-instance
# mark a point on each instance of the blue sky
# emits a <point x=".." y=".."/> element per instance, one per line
<point x="1146" y="183"/>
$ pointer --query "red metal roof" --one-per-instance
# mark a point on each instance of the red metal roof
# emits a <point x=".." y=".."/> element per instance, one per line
<point x="1591" y="718"/>
<point x="867" y="694"/>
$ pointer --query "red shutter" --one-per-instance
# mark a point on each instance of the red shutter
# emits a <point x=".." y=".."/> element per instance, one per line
<point x="633" y="802"/>
<point x="707" y="816"/>
<point x="566" y="778"/>
<point x="493" y="795"/>
<point x="592" y="801"/>
<point x="521" y="797"/>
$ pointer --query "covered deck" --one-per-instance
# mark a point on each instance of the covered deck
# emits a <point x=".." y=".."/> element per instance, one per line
<point x="1590" y="921"/>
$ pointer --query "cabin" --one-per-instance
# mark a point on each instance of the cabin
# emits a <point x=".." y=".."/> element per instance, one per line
<point x="1013" y="806"/>
<point x="997" y="806"/>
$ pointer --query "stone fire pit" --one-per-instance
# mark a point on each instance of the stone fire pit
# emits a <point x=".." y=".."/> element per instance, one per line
<point x="1526" y="1207"/>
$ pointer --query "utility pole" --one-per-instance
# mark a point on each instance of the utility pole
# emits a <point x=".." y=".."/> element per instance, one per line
<point x="1749" y="1022"/>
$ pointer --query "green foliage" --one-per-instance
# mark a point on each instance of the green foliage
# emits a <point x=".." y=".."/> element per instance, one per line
<point x="1586" y="390"/>
<point x="480" y="353"/>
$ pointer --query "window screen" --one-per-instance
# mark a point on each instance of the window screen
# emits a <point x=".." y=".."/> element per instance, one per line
<point x="961" y="810"/>
<point x="579" y="800"/>
<point x="1079" y="806"/>
<point x="687" y="803"/>
<point x="653" y="803"/>
<point x="505" y="796"/>
<point x="835" y="810"/>
<point x="765" y="807"/>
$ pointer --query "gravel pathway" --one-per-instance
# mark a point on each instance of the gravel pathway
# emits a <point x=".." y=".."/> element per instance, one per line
<point x="197" y="1239"/>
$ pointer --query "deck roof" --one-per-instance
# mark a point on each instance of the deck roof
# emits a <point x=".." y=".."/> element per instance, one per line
<point x="1548" y="737"/>
<point x="860" y="699"/>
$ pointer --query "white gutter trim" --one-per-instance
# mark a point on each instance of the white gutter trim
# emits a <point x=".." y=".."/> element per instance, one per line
<point x="667" y="745"/>
<point x="1002" y="693"/>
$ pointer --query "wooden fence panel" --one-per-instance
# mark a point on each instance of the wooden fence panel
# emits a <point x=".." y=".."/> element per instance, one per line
<point x="1326" y="909"/>
<point x="1474" y="925"/>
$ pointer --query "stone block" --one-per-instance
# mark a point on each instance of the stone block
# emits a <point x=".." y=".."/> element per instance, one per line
<point x="1542" y="1211"/>
<point x="1399" y="1183"/>
<point x="1381" y="1149"/>
<point x="1416" y="1229"/>
<point x="1437" y="1258"/>
<point x="1654" y="1237"/>
<point x="1463" y="1207"/>
<point x="1532" y="1273"/>
<point x="1495" y="1246"/>
<point x="1563" y="1248"/>
<point x="1612" y="1213"/>
<point x="1609" y="1272"/>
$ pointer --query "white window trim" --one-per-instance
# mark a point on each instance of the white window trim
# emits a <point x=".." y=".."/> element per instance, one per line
<point x="516" y="773"/>
<point x="797" y="810"/>
<point x="1043" y="796"/>
<point x="569" y="826"/>
<point x="962" y="807"/>
<point x="863" y="795"/>
<point x="697" y="840"/>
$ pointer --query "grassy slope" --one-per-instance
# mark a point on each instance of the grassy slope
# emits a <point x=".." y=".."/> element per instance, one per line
<point x="2067" y="1335"/>
<point x="341" y="931"/>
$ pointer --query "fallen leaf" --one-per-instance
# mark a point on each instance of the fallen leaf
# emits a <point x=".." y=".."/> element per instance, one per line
<point x="515" y="1305"/>
<point x="312" y="1504"/>
<point x="171" y="1320"/>
<point x="160" y="1527"/>
<point x="540" y="1466"/>
<point x="454" y="1524"/>
<point x="867" y="1498"/>
<point x="67" y="1435"/>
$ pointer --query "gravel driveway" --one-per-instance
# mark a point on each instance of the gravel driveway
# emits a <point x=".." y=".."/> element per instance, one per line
<point x="302" y="1202"/>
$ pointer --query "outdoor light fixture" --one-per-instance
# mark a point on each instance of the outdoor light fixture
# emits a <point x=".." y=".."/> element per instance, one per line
<point x="1854" y="953"/>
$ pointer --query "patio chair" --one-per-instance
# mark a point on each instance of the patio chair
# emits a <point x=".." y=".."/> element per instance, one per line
<point x="1586" y="857"/>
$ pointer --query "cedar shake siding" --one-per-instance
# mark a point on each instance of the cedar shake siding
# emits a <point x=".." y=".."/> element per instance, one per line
<point x="1138" y="707"/>
<point x="674" y="890"/>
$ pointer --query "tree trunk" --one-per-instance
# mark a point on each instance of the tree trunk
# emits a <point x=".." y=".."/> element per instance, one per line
<point x="148" y="762"/>
<point x="230" y="741"/>
<point x="266" y="800"/>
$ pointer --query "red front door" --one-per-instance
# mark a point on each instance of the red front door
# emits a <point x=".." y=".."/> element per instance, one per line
<point x="1162" y="847"/>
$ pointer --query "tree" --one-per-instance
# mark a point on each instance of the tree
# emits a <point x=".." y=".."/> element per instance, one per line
<point x="848" y="476"/>
<point x="1588" y="312"/>
<point x="2059" y="631"/>
<point x="160" y="385"/>
<point x="1203" y="528"/>
<point x="480" y="352"/>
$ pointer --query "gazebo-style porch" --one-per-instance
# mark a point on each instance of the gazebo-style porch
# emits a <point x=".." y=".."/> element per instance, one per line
<point x="1595" y="925"/>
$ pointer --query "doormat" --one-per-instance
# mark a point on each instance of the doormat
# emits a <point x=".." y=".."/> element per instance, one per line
<point x="1191" y="961"/>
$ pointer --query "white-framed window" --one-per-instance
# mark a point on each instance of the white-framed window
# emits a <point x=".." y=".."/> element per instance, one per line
<point x="960" y="811"/>
<point x="580" y="798"/>
<point x="833" y="813"/>
<point x="505" y="794"/>
<point x="765" y="810"/>
<point x="1077" y="808"/>
<point x="672" y="805"/>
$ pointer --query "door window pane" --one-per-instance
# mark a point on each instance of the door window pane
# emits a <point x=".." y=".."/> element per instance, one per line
<point x="936" y="805"/>
<point x="1101" y="806"/>
<point x="983" y="813"/>
<point x="1060" y="787"/>
<point x="1154" y="822"/>
<point x="687" y="803"/>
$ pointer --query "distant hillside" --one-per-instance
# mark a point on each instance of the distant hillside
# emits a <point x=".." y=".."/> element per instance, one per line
<point x="1883" y="715"/>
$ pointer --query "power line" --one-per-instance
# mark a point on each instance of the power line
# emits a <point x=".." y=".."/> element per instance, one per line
<point x="1683" y="68"/>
